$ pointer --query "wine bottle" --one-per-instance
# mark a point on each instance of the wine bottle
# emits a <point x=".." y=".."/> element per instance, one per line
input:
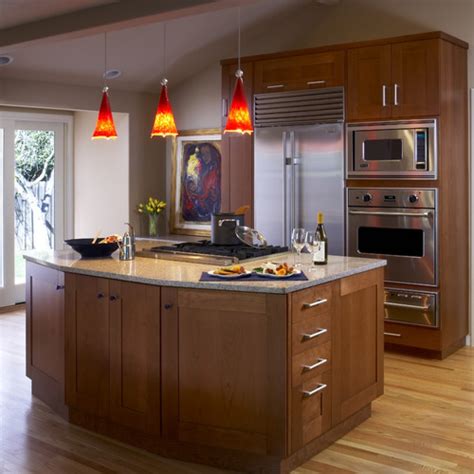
<point x="320" y="257"/>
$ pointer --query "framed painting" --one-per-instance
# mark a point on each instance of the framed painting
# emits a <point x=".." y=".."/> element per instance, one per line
<point x="196" y="181"/>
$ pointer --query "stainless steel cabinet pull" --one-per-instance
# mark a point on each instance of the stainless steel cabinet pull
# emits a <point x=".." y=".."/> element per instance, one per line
<point x="390" y="304"/>
<point x="312" y="83"/>
<point x="395" y="94"/>
<point x="315" y="303"/>
<point x="320" y="362"/>
<point x="393" y="334"/>
<point x="275" y="86"/>
<point x="310" y="393"/>
<point x="320" y="331"/>
<point x="384" y="96"/>
<point x="381" y="213"/>
<point x="225" y="107"/>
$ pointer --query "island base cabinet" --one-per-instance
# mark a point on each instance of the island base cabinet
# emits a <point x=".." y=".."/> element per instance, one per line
<point x="113" y="351"/>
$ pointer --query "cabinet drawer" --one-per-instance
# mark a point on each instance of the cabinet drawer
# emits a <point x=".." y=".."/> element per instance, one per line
<point x="413" y="336"/>
<point x="311" y="410"/>
<point x="311" y="333"/>
<point x="311" y="363"/>
<point x="300" y="72"/>
<point x="311" y="302"/>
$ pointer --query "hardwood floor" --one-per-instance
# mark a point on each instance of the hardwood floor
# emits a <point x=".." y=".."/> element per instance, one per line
<point x="423" y="423"/>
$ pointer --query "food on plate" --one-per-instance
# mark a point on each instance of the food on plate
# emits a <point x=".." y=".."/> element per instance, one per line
<point x="110" y="239"/>
<point x="279" y="269"/>
<point x="232" y="270"/>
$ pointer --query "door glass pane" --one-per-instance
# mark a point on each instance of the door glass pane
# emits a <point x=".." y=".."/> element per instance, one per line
<point x="34" y="194"/>
<point x="387" y="241"/>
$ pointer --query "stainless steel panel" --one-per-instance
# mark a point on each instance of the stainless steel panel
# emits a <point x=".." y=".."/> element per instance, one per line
<point x="359" y="167"/>
<point x="411" y="307"/>
<point x="392" y="197"/>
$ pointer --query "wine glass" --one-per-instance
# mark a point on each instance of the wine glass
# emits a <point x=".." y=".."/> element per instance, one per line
<point x="312" y="242"/>
<point x="297" y="241"/>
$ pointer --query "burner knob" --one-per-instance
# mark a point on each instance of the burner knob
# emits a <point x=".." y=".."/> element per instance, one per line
<point x="413" y="198"/>
<point x="367" y="197"/>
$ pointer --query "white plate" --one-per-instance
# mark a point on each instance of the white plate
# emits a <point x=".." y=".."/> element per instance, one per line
<point x="270" y="275"/>
<point x="228" y="277"/>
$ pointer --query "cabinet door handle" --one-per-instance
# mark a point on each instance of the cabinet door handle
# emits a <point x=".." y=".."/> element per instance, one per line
<point x="315" y="303"/>
<point x="310" y="393"/>
<point x="393" y="334"/>
<point x="313" y="83"/>
<point x="307" y="337"/>
<point x="168" y="306"/>
<point x="390" y="304"/>
<point x="384" y="96"/>
<point x="320" y="362"/>
<point x="114" y="298"/>
<point x="225" y="107"/>
<point x="59" y="287"/>
<point x="275" y="86"/>
<point x="395" y="94"/>
<point x="100" y="295"/>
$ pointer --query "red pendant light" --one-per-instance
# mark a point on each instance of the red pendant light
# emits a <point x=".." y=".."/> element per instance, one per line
<point x="164" y="124"/>
<point x="105" y="127"/>
<point x="238" y="119"/>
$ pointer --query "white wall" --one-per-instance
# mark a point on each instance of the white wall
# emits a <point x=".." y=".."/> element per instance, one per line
<point x="101" y="178"/>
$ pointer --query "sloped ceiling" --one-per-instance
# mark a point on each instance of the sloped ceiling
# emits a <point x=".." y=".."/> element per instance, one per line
<point x="192" y="43"/>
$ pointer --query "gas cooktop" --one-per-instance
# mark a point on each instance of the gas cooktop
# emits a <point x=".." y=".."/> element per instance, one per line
<point x="206" y="252"/>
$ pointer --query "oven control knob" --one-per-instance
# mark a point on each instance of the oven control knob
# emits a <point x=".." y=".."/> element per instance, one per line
<point x="367" y="197"/>
<point x="413" y="198"/>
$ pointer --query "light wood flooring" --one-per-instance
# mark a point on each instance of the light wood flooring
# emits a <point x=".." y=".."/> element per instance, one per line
<point x="423" y="423"/>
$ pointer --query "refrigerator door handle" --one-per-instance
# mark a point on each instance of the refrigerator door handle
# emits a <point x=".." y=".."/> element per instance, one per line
<point x="285" y="191"/>
<point x="293" y="218"/>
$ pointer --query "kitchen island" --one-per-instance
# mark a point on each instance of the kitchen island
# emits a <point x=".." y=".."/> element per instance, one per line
<point x="250" y="376"/>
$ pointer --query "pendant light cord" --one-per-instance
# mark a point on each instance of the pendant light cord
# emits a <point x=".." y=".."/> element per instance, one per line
<point x="238" y="41"/>
<point x="105" y="60"/>
<point x="164" y="50"/>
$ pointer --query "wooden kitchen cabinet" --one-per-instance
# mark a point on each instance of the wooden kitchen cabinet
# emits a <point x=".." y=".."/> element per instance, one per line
<point x="45" y="334"/>
<point x="399" y="80"/>
<point x="307" y="71"/>
<point x="113" y="350"/>
<point x="224" y="369"/>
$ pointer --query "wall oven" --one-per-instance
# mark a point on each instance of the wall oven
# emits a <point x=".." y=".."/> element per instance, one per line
<point x="399" y="225"/>
<point x="400" y="150"/>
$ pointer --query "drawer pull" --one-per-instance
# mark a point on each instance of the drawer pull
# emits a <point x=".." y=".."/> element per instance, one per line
<point x="275" y="86"/>
<point x="307" y="337"/>
<point x="389" y="304"/>
<point x="315" y="303"/>
<point x="313" y="83"/>
<point x="320" y="362"/>
<point x="393" y="334"/>
<point x="310" y="393"/>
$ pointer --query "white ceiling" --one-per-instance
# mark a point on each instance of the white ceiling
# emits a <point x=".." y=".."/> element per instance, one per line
<point x="17" y="12"/>
<point x="193" y="43"/>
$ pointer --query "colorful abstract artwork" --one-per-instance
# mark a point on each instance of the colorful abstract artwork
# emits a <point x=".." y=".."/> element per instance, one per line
<point x="196" y="192"/>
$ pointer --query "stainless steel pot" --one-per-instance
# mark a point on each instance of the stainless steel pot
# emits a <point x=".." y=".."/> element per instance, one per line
<point x="223" y="227"/>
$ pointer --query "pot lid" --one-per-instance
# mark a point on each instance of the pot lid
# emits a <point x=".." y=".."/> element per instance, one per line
<point x="250" y="237"/>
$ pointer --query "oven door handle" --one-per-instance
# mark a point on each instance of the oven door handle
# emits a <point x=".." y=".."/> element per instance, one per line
<point x="382" y="213"/>
<point x="390" y="304"/>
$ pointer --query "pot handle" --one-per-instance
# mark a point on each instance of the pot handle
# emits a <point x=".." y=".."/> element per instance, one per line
<point x="221" y="221"/>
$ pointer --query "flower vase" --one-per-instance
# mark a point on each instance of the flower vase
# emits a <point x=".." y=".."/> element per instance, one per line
<point x="153" y="225"/>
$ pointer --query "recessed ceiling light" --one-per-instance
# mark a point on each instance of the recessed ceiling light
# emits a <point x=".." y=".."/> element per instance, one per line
<point x="5" y="60"/>
<point x="112" y="74"/>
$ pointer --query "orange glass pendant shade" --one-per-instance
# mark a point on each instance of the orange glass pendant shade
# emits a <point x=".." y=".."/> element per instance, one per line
<point x="105" y="127"/>
<point x="164" y="124"/>
<point x="238" y="120"/>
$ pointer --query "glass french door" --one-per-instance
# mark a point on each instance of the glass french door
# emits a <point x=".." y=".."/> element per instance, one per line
<point x="32" y="201"/>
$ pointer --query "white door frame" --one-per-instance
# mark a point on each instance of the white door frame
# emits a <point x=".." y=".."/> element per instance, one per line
<point x="64" y="205"/>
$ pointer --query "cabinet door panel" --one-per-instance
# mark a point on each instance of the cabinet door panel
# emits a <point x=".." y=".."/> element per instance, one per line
<point x="368" y="74"/>
<point x="135" y="355"/>
<point x="415" y="74"/>
<point x="87" y="351"/>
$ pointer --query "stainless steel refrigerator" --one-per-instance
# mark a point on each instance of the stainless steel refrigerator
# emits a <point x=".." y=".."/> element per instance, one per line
<point x="299" y="169"/>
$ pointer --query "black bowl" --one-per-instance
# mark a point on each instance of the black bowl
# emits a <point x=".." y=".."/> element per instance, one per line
<point x="89" y="250"/>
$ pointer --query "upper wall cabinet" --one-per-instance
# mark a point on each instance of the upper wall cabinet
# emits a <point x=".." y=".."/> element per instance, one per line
<point x="300" y="72"/>
<point x="393" y="81"/>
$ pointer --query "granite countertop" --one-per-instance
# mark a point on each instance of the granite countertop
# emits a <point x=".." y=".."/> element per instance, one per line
<point x="186" y="275"/>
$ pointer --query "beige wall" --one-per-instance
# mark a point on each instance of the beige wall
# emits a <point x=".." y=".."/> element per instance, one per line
<point x="101" y="181"/>
<point x="147" y="157"/>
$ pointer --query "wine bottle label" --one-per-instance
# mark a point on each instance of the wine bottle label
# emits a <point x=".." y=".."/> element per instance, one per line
<point x="319" y="255"/>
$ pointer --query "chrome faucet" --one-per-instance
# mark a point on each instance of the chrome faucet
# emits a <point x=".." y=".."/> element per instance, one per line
<point x="127" y="246"/>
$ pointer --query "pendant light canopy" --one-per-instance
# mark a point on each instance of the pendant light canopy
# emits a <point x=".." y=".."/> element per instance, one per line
<point x="238" y="119"/>
<point x="164" y="124"/>
<point x="105" y="127"/>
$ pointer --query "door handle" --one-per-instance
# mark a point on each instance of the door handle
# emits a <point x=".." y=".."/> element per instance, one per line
<point x="393" y="334"/>
<point x="391" y="304"/>
<point x="319" y="332"/>
<point x="395" y="94"/>
<point x="315" y="303"/>
<point x="114" y="298"/>
<point x="100" y="295"/>
<point x="382" y="213"/>
<point x="310" y="393"/>
<point x="384" y="96"/>
<point x="320" y="362"/>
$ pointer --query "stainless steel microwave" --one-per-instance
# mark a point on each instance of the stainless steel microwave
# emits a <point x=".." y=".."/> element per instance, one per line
<point x="399" y="150"/>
